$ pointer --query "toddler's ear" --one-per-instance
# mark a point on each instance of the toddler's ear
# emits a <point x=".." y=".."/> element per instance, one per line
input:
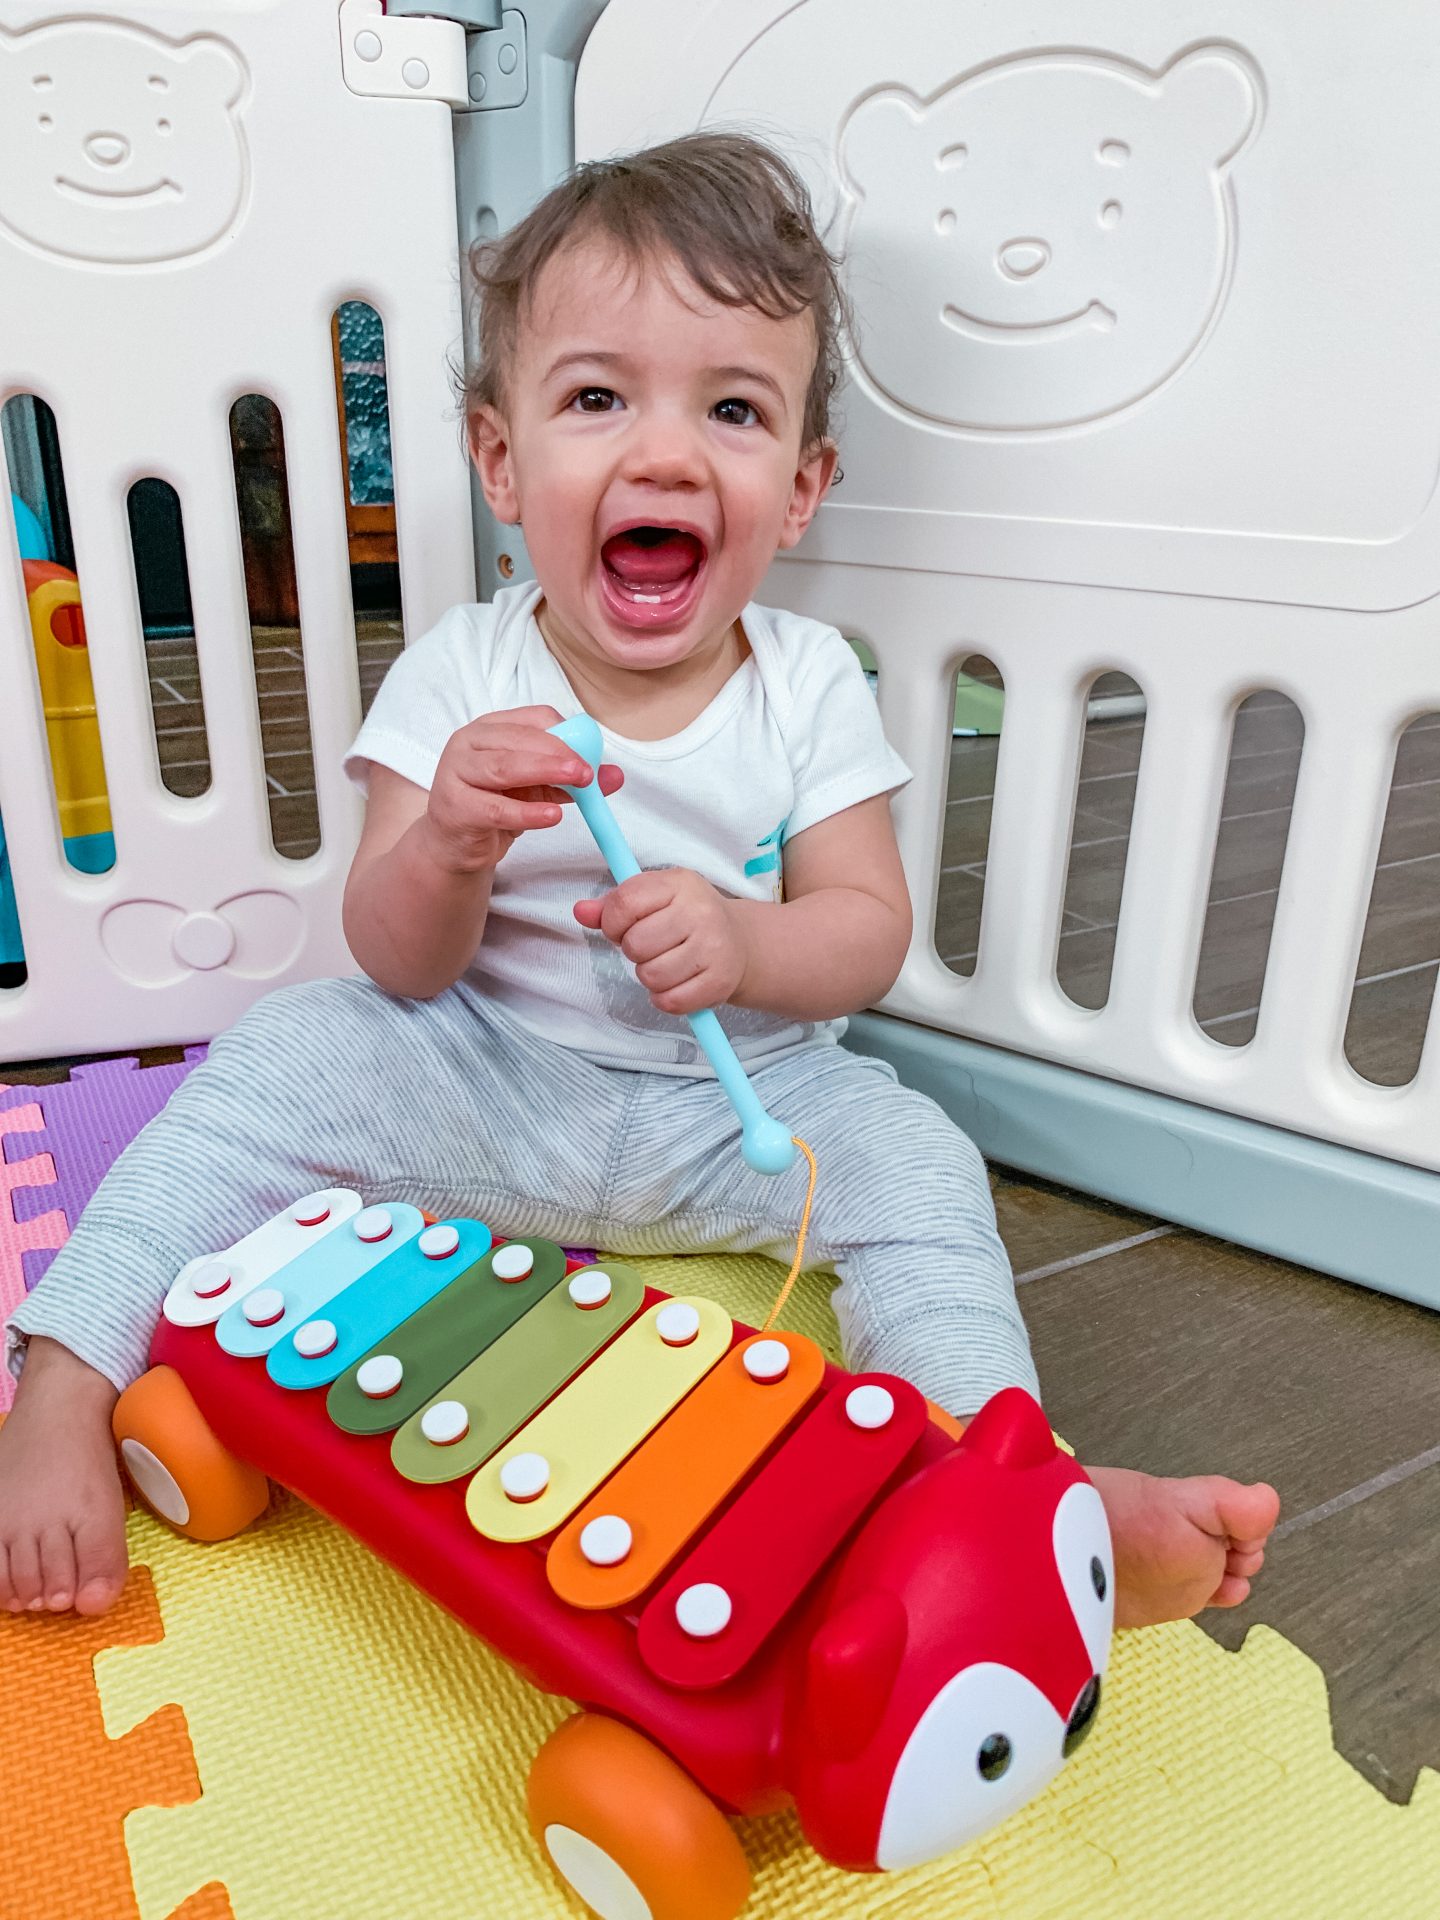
<point x="812" y="483"/>
<point x="489" y="442"/>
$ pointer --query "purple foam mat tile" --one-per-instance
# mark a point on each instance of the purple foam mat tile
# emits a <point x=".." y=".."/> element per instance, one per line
<point x="89" y="1120"/>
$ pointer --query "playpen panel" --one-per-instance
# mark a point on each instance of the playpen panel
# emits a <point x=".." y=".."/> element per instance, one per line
<point x="1294" y="1073"/>
<point x="1121" y="378"/>
<point x="1115" y="274"/>
<point x="263" y="190"/>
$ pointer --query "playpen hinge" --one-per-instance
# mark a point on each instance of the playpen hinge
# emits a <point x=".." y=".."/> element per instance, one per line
<point x="496" y="63"/>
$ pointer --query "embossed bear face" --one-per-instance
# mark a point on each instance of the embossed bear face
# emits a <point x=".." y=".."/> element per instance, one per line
<point x="117" y="146"/>
<point x="1046" y="241"/>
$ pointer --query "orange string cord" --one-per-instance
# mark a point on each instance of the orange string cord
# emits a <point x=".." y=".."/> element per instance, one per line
<point x="797" y="1262"/>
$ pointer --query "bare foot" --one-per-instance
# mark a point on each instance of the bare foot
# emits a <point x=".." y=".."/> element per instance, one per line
<point x="1182" y="1545"/>
<point x="62" y="1513"/>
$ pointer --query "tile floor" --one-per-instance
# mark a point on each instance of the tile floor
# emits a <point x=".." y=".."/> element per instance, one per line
<point x="1158" y="1347"/>
<point x="1400" y="954"/>
<point x="180" y="726"/>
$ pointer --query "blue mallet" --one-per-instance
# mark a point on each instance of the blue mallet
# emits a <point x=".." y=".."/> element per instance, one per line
<point x="766" y="1145"/>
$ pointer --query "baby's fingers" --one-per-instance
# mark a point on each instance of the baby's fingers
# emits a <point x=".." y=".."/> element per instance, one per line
<point x="610" y="779"/>
<point x="516" y="813"/>
<point x="521" y="757"/>
<point x="690" y="996"/>
<point x="668" y="970"/>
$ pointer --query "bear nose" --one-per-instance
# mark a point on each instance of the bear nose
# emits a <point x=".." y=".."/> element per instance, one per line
<point x="1020" y="258"/>
<point x="107" y="149"/>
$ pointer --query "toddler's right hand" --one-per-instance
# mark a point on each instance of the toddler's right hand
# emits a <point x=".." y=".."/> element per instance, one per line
<point x="498" y="778"/>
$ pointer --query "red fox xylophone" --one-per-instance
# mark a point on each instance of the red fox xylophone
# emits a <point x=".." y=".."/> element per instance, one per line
<point x="766" y="1580"/>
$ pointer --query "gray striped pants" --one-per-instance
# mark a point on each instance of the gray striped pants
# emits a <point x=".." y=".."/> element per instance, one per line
<point x="453" y="1105"/>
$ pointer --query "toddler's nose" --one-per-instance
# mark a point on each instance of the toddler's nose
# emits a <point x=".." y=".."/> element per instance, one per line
<point x="1018" y="259"/>
<point x="665" y="453"/>
<point x="107" y="149"/>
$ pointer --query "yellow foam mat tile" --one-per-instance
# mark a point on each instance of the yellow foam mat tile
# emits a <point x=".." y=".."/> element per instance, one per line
<point x="361" y="1757"/>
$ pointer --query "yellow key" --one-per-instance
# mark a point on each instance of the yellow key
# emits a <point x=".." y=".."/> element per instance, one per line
<point x="557" y="1460"/>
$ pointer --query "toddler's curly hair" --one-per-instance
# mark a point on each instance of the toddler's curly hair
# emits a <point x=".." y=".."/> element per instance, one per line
<point x="735" y="216"/>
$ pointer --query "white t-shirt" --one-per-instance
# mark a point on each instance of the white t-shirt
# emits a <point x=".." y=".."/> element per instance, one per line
<point x="792" y="737"/>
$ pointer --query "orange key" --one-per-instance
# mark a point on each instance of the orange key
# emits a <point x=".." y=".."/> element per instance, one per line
<point x="625" y="1535"/>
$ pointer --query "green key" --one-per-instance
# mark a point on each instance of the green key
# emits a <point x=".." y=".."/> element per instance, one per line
<point x="433" y="1345"/>
<point x="484" y="1404"/>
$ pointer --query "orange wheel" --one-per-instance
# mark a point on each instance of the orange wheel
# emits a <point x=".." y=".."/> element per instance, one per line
<point x="629" y="1831"/>
<point x="178" y="1467"/>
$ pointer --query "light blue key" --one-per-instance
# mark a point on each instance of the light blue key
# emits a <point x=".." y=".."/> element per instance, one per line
<point x="315" y="1276"/>
<point x="766" y="1144"/>
<point x="320" y="1348"/>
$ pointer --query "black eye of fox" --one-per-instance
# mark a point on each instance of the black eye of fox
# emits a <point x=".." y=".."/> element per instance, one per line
<point x="1097" y="1578"/>
<point x="994" y="1756"/>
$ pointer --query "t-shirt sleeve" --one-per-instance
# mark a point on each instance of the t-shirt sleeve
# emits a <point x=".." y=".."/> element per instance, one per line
<point x="432" y="688"/>
<point x="838" y="750"/>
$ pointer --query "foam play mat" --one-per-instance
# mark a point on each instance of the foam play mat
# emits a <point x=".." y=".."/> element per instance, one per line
<point x="56" y="1144"/>
<point x="279" y="1728"/>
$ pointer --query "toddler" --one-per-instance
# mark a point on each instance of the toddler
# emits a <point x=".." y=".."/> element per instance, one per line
<point x="658" y="345"/>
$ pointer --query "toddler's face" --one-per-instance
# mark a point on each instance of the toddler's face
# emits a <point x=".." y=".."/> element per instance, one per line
<point x="650" y="443"/>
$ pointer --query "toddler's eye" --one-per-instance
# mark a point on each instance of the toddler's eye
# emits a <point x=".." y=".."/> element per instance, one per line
<point x="595" y="400"/>
<point x="735" y="413"/>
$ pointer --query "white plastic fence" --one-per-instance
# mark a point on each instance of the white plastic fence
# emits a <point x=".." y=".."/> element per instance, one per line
<point x="1140" y="385"/>
<point x="1144" y="382"/>
<point x="187" y="192"/>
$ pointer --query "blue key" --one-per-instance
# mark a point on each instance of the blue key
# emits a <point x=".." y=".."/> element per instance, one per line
<point x="322" y="1347"/>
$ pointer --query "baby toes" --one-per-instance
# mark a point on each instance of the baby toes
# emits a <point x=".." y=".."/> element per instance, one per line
<point x="1232" y="1590"/>
<point x="57" y="1568"/>
<point x="25" y="1573"/>
<point x="100" y="1565"/>
<point x="1247" y="1565"/>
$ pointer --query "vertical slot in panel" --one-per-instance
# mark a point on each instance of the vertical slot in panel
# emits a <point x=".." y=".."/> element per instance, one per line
<point x="363" y="398"/>
<point x="26" y="493"/>
<point x="979" y="703"/>
<point x="53" y="619"/>
<point x="162" y="585"/>
<point x="1266" y="743"/>
<point x="1400" y="952"/>
<point x="262" y="493"/>
<point x="1100" y="838"/>
<point x="13" y="972"/>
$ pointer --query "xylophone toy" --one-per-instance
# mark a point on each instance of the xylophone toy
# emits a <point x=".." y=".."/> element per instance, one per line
<point x="768" y="1581"/>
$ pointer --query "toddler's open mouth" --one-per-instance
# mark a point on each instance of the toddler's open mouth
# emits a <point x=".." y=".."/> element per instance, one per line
<point x="651" y="574"/>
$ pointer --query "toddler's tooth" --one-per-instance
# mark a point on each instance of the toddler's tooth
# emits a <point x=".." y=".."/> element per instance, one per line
<point x="650" y="599"/>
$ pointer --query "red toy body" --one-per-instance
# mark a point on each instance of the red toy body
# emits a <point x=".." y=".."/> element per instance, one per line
<point x="915" y="1627"/>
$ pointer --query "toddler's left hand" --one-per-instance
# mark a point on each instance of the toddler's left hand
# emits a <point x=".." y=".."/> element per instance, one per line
<point x="680" y="933"/>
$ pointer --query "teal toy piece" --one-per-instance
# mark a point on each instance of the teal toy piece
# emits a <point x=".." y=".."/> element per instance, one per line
<point x="320" y="1349"/>
<point x="766" y="1144"/>
<point x="29" y="532"/>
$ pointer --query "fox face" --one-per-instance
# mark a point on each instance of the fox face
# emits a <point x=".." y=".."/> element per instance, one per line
<point x="957" y="1663"/>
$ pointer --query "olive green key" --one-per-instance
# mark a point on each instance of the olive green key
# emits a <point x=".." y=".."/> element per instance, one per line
<point x="415" y="1360"/>
<point x="466" y="1420"/>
